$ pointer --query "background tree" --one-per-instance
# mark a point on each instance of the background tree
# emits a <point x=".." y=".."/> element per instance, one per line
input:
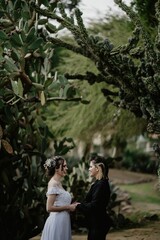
<point x="132" y="69"/>
<point x="98" y="117"/>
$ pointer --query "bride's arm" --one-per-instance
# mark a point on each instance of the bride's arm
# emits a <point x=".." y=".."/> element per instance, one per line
<point x="51" y="208"/>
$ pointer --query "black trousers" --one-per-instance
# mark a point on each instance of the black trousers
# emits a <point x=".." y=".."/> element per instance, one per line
<point x="96" y="234"/>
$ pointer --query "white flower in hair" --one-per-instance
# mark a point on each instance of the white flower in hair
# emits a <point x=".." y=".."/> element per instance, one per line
<point x="50" y="162"/>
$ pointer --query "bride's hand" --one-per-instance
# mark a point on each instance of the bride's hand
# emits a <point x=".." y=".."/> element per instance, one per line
<point x="72" y="207"/>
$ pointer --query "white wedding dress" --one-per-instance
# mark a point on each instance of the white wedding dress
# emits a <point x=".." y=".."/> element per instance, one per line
<point x="58" y="224"/>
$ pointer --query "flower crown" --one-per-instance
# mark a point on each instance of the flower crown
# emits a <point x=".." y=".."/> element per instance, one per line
<point x="51" y="162"/>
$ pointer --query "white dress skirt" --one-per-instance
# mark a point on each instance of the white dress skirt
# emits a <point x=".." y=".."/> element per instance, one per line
<point x="58" y="224"/>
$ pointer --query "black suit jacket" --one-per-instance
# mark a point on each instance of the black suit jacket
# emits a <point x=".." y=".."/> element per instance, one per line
<point x="95" y="204"/>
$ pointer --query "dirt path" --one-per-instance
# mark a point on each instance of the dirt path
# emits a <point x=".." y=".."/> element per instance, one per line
<point x="126" y="177"/>
<point x="149" y="232"/>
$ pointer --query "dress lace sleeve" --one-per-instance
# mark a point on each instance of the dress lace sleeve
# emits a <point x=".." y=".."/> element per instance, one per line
<point x="53" y="190"/>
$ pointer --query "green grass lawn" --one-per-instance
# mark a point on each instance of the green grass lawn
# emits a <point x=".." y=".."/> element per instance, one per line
<point x="143" y="192"/>
<point x="145" y="200"/>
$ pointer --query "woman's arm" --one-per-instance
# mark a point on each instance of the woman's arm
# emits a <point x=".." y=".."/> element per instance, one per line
<point x="51" y="208"/>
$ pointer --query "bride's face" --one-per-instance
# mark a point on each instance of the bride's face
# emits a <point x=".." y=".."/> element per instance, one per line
<point x="62" y="170"/>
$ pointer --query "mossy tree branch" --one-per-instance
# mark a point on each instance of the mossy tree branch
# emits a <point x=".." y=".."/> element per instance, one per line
<point x="132" y="68"/>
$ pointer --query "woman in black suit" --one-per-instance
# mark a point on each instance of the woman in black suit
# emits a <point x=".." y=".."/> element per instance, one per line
<point x="96" y="201"/>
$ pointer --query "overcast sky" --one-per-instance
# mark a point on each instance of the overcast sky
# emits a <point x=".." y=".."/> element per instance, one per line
<point x="95" y="9"/>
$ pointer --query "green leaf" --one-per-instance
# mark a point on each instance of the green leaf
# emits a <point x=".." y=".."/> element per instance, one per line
<point x="42" y="98"/>
<point x="48" y="82"/>
<point x="66" y="90"/>
<point x="36" y="44"/>
<point x="42" y="21"/>
<point x="38" y="86"/>
<point x="17" y="87"/>
<point x="26" y="28"/>
<point x="14" y="86"/>
<point x="46" y="65"/>
<point x="48" y="45"/>
<point x="1" y="104"/>
<point x="23" y="35"/>
<point x="3" y="35"/>
<point x="65" y="150"/>
<point x="71" y="91"/>
<point x="31" y="36"/>
<point x="51" y="28"/>
<point x="51" y="53"/>
<point x="20" y="88"/>
<point x="25" y="10"/>
<point x="10" y="65"/>
<point x="16" y="40"/>
<point x="55" y="76"/>
<point x="15" y="55"/>
<point x="62" y="80"/>
<point x="21" y="22"/>
<point x="61" y="92"/>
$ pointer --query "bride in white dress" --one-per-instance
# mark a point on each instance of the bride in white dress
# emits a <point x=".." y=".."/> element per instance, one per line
<point x="58" y="204"/>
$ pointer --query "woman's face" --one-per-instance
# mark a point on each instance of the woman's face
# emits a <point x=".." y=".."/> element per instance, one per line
<point x="62" y="170"/>
<point x="93" y="170"/>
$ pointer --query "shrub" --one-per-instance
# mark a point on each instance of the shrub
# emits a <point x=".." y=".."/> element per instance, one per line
<point x="138" y="161"/>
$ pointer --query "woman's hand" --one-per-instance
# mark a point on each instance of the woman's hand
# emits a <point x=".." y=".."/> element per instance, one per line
<point x="72" y="207"/>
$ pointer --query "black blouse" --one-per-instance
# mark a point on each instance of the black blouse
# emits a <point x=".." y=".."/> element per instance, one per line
<point x="95" y="204"/>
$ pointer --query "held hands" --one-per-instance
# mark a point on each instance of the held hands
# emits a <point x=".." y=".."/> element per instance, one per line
<point x="72" y="207"/>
